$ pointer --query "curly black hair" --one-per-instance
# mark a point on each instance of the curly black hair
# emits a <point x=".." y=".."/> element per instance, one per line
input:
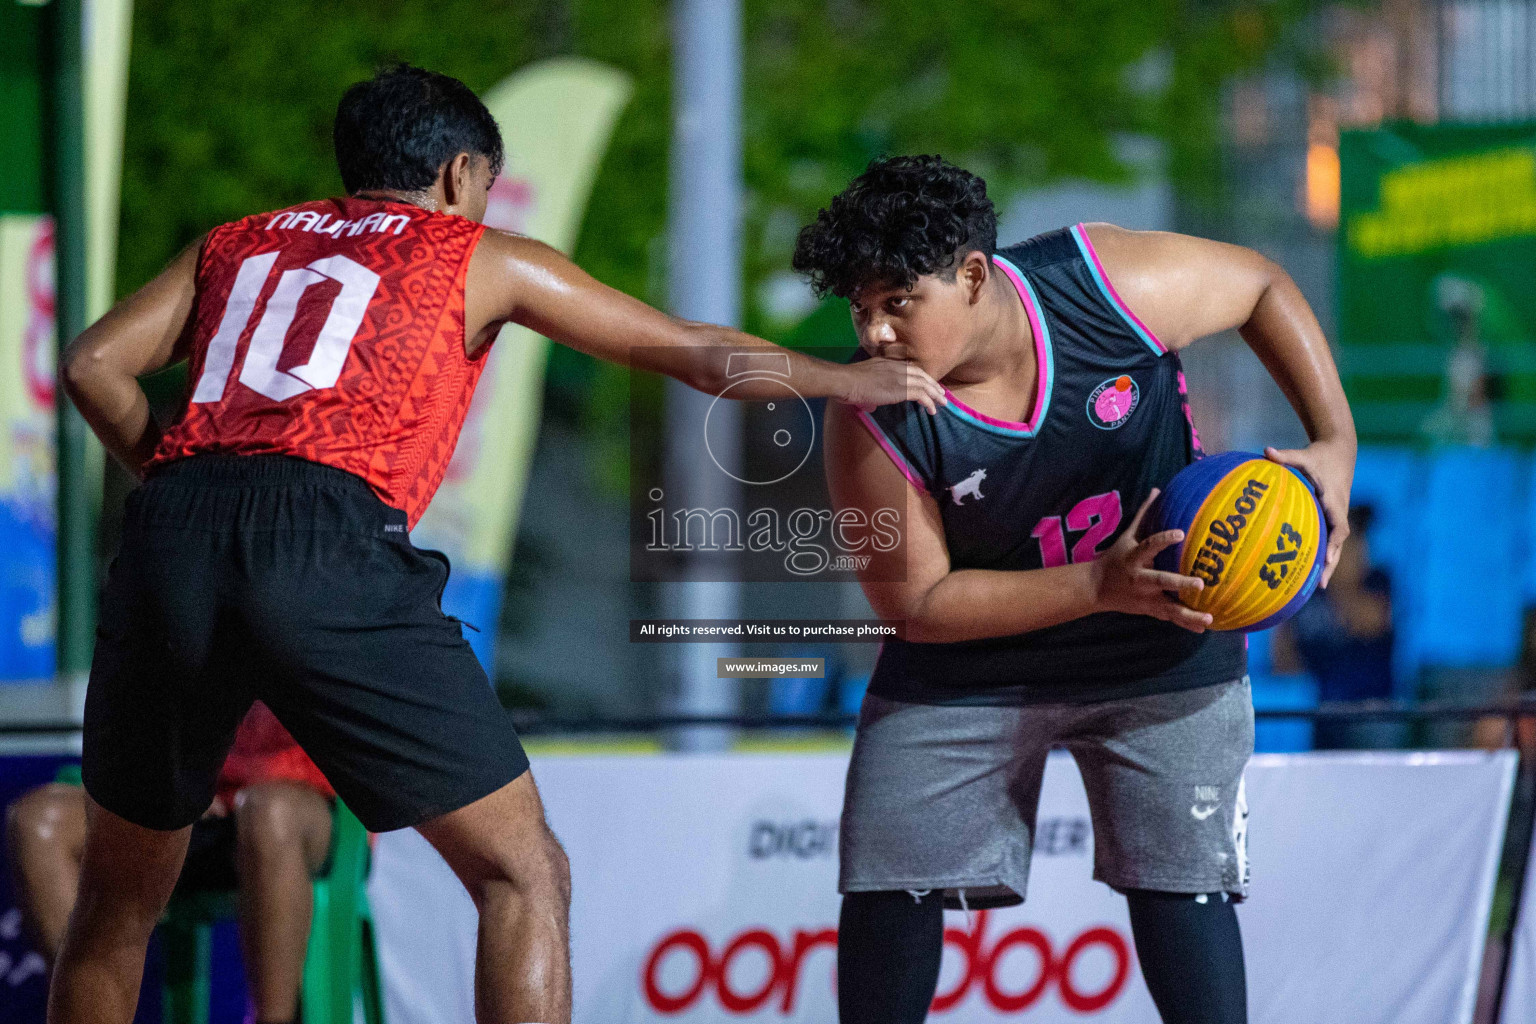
<point x="396" y="130"/>
<point x="905" y="217"/>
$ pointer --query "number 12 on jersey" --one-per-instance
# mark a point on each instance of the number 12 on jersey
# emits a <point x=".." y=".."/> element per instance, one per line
<point x="1099" y="516"/>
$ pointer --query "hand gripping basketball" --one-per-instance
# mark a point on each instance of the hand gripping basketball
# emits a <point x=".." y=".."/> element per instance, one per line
<point x="1254" y="532"/>
<point x="1126" y="581"/>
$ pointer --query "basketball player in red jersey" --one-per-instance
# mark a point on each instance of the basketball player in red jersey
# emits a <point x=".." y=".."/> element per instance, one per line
<point x="333" y="350"/>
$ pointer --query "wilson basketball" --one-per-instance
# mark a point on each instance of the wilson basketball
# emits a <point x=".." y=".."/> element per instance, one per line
<point x="1253" y="531"/>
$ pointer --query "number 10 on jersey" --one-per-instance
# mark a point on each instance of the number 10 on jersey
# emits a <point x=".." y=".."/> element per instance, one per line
<point x="260" y="372"/>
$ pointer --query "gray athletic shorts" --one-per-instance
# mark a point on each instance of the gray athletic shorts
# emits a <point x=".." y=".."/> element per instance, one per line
<point x="943" y="797"/>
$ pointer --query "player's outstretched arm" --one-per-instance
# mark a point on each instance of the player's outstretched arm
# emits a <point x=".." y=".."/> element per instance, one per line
<point x="517" y="279"/>
<point x="139" y="335"/>
<point x="1186" y="288"/>
<point x="914" y="583"/>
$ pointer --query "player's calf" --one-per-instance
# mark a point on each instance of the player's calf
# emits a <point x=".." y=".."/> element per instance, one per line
<point x="126" y="879"/>
<point x="504" y="853"/>
<point x="283" y="832"/>
<point x="1191" y="954"/>
<point x="889" y="949"/>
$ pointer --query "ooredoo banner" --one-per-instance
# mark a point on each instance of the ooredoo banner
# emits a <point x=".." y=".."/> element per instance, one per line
<point x="705" y="891"/>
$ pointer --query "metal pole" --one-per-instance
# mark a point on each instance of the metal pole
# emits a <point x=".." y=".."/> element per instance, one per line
<point x="76" y="597"/>
<point x="704" y="283"/>
<point x="1517" y="857"/>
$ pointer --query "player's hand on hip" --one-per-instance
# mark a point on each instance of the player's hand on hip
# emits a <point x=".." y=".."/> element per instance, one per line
<point x="1331" y="468"/>
<point x="1125" y="581"/>
<point x="880" y="381"/>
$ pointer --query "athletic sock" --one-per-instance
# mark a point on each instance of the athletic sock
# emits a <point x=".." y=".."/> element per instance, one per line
<point x="889" y="945"/>
<point x="1191" y="953"/>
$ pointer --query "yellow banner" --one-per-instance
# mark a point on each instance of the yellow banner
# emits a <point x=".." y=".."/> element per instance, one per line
<point x="107" y="28"/>
<point x="1455" y="201"/>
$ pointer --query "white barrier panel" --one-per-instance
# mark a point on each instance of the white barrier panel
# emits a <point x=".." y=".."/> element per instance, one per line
<point x="705" y="890"/>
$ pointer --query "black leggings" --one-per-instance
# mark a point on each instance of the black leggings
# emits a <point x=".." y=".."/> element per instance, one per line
<point x="889" y="945"/>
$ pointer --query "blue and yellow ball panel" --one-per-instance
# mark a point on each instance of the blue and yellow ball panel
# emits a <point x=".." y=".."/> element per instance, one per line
<point x="1253" y="531"/>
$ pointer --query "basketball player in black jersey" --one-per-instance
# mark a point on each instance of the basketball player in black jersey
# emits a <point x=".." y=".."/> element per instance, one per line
<point x="1033" y="616"/>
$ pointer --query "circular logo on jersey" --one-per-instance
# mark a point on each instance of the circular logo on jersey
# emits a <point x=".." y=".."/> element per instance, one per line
<point x="1112" y="402"/>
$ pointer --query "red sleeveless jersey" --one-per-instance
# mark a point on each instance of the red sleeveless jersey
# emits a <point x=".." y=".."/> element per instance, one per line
<point x="334" y="331"/>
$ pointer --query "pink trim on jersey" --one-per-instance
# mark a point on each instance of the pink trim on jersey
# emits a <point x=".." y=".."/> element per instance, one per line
<point x="890" y="450"/>
<point x="983" y="417"/>
<point x="1042" y="362"/>
<point x="1194" y="434"/>
<point x="1082" y="231"/>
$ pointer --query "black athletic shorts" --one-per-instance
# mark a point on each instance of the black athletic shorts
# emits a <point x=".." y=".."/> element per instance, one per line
<point x="245" y="577"/>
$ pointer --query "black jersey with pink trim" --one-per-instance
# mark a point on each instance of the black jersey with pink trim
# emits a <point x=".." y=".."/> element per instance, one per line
<point x="1110" y="421"/>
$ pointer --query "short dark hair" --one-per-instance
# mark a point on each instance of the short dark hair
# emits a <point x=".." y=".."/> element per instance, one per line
<point x="905" y="217"/>
<point x="396" y="130"/>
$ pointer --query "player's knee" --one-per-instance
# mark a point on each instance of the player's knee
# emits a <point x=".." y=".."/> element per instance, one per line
<point x="543" y="869"/>
<point x="538" y="872"/>
<point x="123" y="909"/>
<point x="560" y="868"/>
<point x="48" y="818"/>
<point x="269" y="820"/>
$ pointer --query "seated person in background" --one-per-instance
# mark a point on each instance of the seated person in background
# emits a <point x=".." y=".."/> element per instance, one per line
<point x="267" y="834"/>
<point x="1344" y="637"/>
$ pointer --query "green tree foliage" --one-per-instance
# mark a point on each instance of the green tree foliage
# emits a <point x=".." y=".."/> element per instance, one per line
<point x="230" y="105"/>
<point x="230" y="102"/>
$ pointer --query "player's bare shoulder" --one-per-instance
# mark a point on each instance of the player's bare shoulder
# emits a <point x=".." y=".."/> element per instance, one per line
<point x="504" y="262"/>
<point x="1131" y="252"/>
<point x="1170" y="280"/>
<point x="1131" y="257"/>
<point x="507" y="254"/>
